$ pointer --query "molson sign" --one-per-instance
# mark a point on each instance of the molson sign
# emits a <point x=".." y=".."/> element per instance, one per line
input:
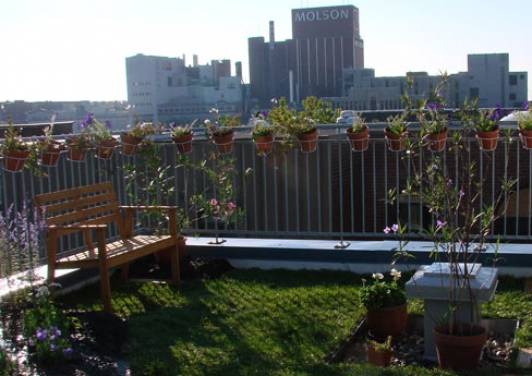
<point x="325" y="22"/>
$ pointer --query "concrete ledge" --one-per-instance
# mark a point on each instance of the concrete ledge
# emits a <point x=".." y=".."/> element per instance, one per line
<point x="358" y="256"/>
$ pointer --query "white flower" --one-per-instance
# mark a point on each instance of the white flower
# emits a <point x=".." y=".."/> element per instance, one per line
<point x="395" y="273"/>
<point x="378" y="276"/>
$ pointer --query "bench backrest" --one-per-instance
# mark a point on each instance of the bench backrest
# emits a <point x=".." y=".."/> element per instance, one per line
<point x="91" y="204"/>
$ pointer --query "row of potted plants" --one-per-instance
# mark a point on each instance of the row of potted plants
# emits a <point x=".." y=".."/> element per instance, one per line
<point x="435" y="121"/>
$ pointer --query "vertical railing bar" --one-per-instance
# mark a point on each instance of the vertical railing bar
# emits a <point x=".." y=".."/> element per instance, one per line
<point x="275" y="193"/>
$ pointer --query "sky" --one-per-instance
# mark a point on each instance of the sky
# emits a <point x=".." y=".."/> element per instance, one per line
<point x="64" y="50"/>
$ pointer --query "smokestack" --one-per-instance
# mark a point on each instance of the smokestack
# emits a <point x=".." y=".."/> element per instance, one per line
<point x="195" y="60"/>
<point x="272" y="35"/>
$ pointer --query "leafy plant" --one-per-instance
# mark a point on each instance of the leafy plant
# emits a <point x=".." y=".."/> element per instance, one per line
<point x="140" y="130"/>
<point x="397" y="124"/>
<point x="524" y="120"/>
<point x="221" y="125"/>
<point x="218" y="200"/>
<point x="381" y="293"/>
<point x="431" y="113"/>
<point x="180" y="130"/>
<point x="261" y="126"/>
<point x="99" y="131"/>
<point x="13" y="140"/>
<point x="487" y="120"/>
<point x="46" y="328"/>
<point x="359" y="124"/>
<point x="381" y="346"/>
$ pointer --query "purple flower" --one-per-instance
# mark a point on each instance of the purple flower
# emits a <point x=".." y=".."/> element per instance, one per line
<point x="89" y="118"/>
<point x="449" y="182"/>
<point x="387" y="230"/>
<point x="432" y="106"/>
<point x="53" y="347"/>
<point x="41" y="334"/>
<point x="68" y="351"/>
<point x="525" y="106"/>
<point x="395" y="227"/>
<point x="461" y="193"/>
<point x="108" y="124"/>
<point x="440" y="223"/>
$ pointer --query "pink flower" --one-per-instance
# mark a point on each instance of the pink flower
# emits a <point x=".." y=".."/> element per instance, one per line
<point x="231" y="206"/>
<point x="214" y="202"/>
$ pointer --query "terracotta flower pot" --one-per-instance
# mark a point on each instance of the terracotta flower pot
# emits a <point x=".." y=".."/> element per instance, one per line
<point x="76" y="154"/>
<point x="378" y="358"/>
<point x="459" y="352"/>
<point x="129" y="144"/>
<point x="437" y="141"/>
<point x="224" y="143"/>
<point x="184" y="143"/>
<point x="488" y="140"/>
<point x="14" y="159"/>
<point x="308" y="141"/>
<point x="264" y="144"/>
<point x="396" y="142"/>
<point x="526" y="138"/>
<point x="359" y="140"/>
<point x="50" y="154"/>
<point x="105" y="148"/>
<point x="384" y="322"/>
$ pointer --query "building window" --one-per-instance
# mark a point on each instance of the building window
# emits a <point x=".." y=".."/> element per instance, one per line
<point x="513" y="79"/>
<point x="474" y="92"/>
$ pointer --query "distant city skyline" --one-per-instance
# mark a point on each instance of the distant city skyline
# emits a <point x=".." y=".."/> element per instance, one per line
<point x="52" y="51"/>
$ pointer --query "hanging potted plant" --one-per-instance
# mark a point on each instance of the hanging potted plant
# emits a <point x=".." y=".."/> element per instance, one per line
<point x="358" y="134"/>
<point x="385" y="304"/>
<point x="263" y="133"/>
<point x="102" y="136"/>
<point x="182" y="136"/>
<point x="78" y="145"/>
<point x="486" y="125"/>
<point x="221" y="131"/>
<point x="524" y="123"/>
<point x="15" y="150"/>
<point x="396" y="132"/>
<point x="379" y="353"/>
<point x="49" y="150"/>
<point x="132" y="138"/>
<point x="433" y="118"/>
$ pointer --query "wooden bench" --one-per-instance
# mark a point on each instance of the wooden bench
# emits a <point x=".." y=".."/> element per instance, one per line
<point x="91" y="210"/>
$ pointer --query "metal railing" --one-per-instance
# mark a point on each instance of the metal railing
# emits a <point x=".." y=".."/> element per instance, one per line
<point x="332" y="193"/>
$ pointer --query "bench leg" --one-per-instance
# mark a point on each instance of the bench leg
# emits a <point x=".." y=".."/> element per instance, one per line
<point x="105" y="285"/>
<point x="174" y="261"/>
<point x="124" y="271"/>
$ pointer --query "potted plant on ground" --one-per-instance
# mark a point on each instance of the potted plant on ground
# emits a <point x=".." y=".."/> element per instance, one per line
<point x="385" y="304"/>
<point x="524" y="123"/>
<point x="450" y="187"/>
<point x="132" y="138"/>
<point x="182" y="136"/>
<point x="220" y="130"/>
<point x="15" y="150"/>
<point x="263" y="133"/>
<point x="358" y="134"/>
<point x="379" y="353"/>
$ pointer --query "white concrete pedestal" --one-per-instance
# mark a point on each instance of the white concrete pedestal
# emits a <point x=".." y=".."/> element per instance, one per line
<point x="431" y="283"/>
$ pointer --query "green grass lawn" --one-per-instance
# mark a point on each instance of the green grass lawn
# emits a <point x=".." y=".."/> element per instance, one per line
<point x="253" y="322"/>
